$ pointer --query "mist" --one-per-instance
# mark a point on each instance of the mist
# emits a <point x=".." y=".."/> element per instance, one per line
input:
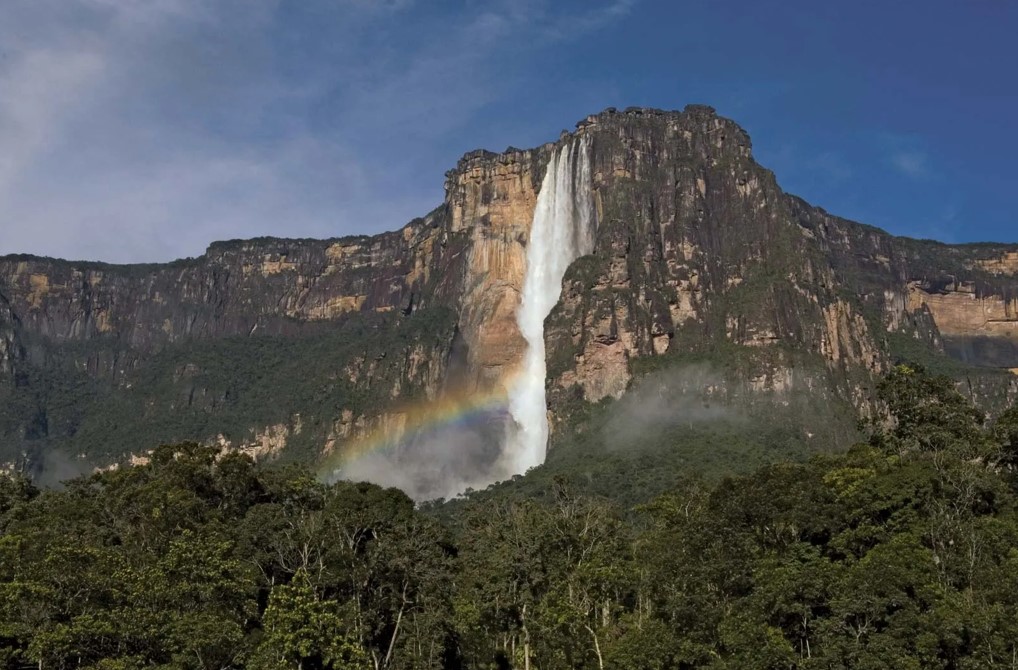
<point x="51" y="468"/>
<point x="437" y="463"/>
<point x="664" y="401"/>
<point x="447" y="461"/>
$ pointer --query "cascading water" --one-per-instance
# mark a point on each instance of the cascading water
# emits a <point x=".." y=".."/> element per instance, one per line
<point x="562" y="231"/>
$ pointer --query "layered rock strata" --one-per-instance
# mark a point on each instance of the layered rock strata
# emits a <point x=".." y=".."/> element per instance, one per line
<point x="699" y="255"/>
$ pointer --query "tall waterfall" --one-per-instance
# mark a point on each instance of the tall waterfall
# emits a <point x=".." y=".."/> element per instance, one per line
<point x="562" y="231"/>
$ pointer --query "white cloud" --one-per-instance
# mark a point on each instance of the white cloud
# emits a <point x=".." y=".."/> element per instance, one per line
<point x="574" y="26"/>
<point x="38" y="90"/>
<point x="140" y="130"/>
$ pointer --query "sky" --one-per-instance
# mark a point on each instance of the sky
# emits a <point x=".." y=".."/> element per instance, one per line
<point x="143" y="130"/>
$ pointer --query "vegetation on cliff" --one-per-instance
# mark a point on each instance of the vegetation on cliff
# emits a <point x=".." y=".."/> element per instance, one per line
<point x="230" y="386"/>
<point x="901" y="553"/>
<point x="699" y="257"/>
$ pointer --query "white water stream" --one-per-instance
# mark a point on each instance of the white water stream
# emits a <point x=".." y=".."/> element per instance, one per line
<point x="562" y="231"/>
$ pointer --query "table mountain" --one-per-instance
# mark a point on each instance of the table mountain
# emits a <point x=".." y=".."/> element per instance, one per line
<point x="705" y="278"/>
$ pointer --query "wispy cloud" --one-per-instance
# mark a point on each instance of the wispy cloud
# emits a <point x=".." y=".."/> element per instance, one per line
<point x="913" y="164"/>
<point x="573" y="26"/>
<point x="140" y="130"/>
<point x="906" y="154"/>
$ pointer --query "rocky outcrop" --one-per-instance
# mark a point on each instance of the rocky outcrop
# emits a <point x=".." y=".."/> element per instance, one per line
<point x="1006" y="264"/>
<point x="11" y="350"/>
<point x="699" y="256"/>
<point x="264" y="444"/>
<point x="960" y="311"/>
<point x="976" y="327"/>
<point x="266" y="286"/>
<point x="697" y="245"/>
<point x="491" y="198"/>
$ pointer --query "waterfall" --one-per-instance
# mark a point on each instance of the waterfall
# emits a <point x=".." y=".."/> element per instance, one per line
<point x="562" y="231"/>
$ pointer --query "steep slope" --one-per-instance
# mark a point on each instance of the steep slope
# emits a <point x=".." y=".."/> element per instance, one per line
<point x="300" y="348"/>
<point x="701" y="256"/>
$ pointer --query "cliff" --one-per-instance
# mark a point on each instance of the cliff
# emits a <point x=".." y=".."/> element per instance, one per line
<point x="296" y="347"/>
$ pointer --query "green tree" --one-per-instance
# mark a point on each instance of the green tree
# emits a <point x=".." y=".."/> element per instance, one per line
<point x="926" y="414"/>
<point x="303" y="630"/>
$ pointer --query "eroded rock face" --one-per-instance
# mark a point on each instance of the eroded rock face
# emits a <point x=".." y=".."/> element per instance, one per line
<point x="976" y="326"/>
<point x="10" y="347"/>
<point x="698" y="253"/>
<point x="698" y="246"/>
<point x="264" y="444"/>
<point x="1006" y="264"/>
<point x="959" y="311"/>
<point x="492" y="198"/>
<point x="235" y="288"/>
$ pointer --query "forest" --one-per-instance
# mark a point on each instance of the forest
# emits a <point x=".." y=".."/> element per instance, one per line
<point x="901" y="552"/>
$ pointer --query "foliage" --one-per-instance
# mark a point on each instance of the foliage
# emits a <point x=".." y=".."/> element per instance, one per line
<point x="198" y="388"/>
<point x="195" y="560"/>
<point x="902" y="552"/>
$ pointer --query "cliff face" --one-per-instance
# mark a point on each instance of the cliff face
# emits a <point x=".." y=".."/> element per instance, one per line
<point x="491" y="197"/>
<point x="701" y="256"/>
<point x="697" y="245"/>
<point x="304" y="345"/>
<point x="109" y="349"/>
<point x="236" y="288"/>
<point x="11" y="351"/>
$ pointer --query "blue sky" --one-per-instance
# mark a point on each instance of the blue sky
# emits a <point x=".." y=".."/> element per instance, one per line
<point x="142" y="130"/>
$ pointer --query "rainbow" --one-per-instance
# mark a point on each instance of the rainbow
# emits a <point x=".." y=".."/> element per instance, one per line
<point x="457" y="410"/>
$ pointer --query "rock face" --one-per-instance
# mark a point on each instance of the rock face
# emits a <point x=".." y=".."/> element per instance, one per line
<point x="960" y="311"/>
<point x="266" y="285"/>
<point x="491" y="198"/>
<point x="297" y="347"/>
<point x="11" y="351"/>
<point x="1007" y="264"/>
<point x="699" y="249"/>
